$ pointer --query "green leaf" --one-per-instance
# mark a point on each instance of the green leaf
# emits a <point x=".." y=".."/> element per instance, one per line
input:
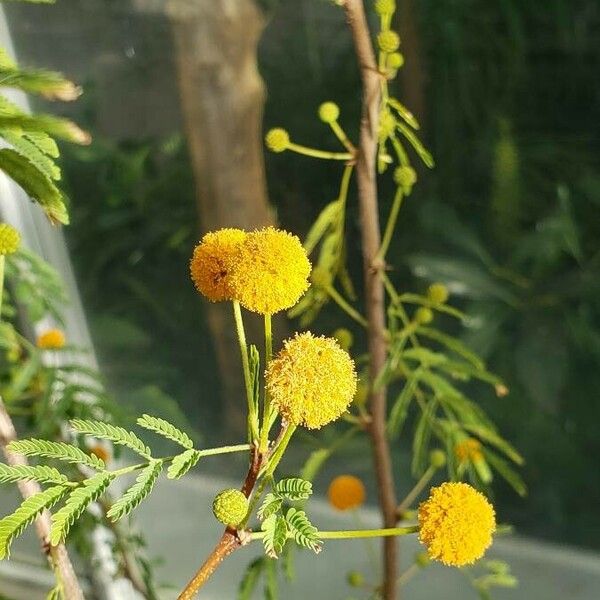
<point x="182" y="463"/>
<point x="36" y="184"/>
<point x="294" y="488"/>
<point x="302" y="530"/>
<point x="49" y="84"/>
<point x="491" y="437"/>
<point x="41" y="474"/>
<point x="250" y="579"/>
<point x="62" y="129"/>
<point x="79" y="499"/>
<point x="165" y="429"/>
<point x="403" y="112"/>
<point x="271" y="504"/>
<point x="137" y="492"/>
<point x="56" y="593"/>
<point x="57" y="450"/>
<point x="275" y="529"/>
<point x="13" y="525"/>
<point x="271" y="585"/>
<point x="323" y="222"/>
<point x="400" y="407"/>
<point x="29" y="150"/>
<point x="506" y="472"/>
<point x="117" y="435"/>
<point x="422" y="437"/>
<point x="416" y="144"/>
<point x="453" y="344"/>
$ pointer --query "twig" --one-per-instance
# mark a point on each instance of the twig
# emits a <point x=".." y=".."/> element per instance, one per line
<point x="375" y="296"/>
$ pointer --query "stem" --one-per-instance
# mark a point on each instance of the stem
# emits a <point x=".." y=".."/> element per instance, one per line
<point x="266" y="420"/>
<point x="417" y="489"/>
<point x="319" y="153"/>
<point x="389" y="532"/>
<point x="345" y="306"/>
<point x="341" y="135"/>
<point x="241" y="334"/>
<point x="408" y="574"/>
<point x="2" y="263"/>
<point x="391" y="224"/>
<point x="374" y="291"/>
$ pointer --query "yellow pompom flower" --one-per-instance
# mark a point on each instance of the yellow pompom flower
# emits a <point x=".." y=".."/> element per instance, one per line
<point x="271" y="271"/>
<point x="346" y="492"/>
<point x="9" y="239"/>
<point x="311" y="381"/>
<point x="212" y="263"/>
<point x="277" y="140"/>
<point x="468" y="450"/>
<point x="53" y="339"/>
<point x="329" y="112"/>
<point x="456" y="524"/>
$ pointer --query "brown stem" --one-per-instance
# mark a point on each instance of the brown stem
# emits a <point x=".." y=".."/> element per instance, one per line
<point x="374" y="290"/>
<point x="57" y="555"/>
<point x="231" y="539"/>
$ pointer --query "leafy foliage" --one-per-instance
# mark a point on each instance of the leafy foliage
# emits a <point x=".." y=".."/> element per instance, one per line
<point x="41" y="474"/>
<point x="56" y="450"/>
<point x="115" y="434"/>
<point x="302" y="530"/>
<point x="182" y="463"/>
<point x="275" y="529"/>
<point x="165" y="429"/>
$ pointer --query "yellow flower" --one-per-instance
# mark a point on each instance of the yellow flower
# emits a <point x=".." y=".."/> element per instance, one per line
<point x="329" y="112"/>
<point x="212" y="263"/>
<point x="271" y="271"/>
<point x="277" y="140"/>
<point x="311" y="381"/>
<point x="346" y="492"/>
<point x="388" y="41"/>
<point x="467" y="450"/>
<point x="101" y="452"/>
<point x="437" y="293"/>
<point x="9" y="239"/>
<point x="456" y="524"/>
<point x="53" y="339"/>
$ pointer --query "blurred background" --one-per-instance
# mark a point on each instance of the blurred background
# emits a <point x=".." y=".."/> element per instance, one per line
<point x="177" y="97"/>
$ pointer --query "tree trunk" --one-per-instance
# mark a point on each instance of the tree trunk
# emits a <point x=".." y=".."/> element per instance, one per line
<point x="222" y="97"/>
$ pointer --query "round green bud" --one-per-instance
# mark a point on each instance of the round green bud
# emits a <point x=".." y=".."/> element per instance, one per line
<point x="10" y="239"/>
<point x="355" y="579"/>
<point x="329" y="112"/>
<point x="320" y="277"/>
<point x="277" y="140"/>
<point x="405" y="177"/>
<point x="344" y="337"/>
<point x="395" y="60"/>
<point x="437" y="458"/>
<point x="422" y="559"/>
<point x="385" y="7"/>
<point x="424" y="315"/>
<point x="387" y="124"/>
<point x="437" y="293"/>
<point x="230" y="507"/>
<point x="388" y="41"/>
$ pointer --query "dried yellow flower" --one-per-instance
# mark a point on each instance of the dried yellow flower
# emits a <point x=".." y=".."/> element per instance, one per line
<point x="9" y="239"/>
<point x="346" y="492"/>
<point x="212" y="263"/>
<point x="271" y="271"/>
<point x="456" y="524"/>
<point x="53" y="339"/>
<point x="311" y="381"/>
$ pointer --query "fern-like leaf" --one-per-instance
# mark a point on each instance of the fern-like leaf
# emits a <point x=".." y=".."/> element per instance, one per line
<point x="275" y="528"/>
<point x="165" y="429"/>
<point x="41" y="474"/>
<point x="117" y="435"/>
<point x="57" y="450"/>
<point x="294" y="488"/>
<point x="13" y="525"/>
<point x="182" y="463"/>
<point x="302" y="530"/>
<point x="137" y="492"/>
<point x="271" y="504"/>
<point x="79" y="499"/>
<point x="29" y="150"/>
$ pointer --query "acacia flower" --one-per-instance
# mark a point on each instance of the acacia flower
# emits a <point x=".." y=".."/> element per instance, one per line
<point x="311" y="381"/>
<point x="346" y="492"/>
<point x="212" y="263"/>
<point x="277" y="140"/>
<point x="468" y="450"/>
<point x="53" y="339"/>
<point x="456" y="524"/>
<point x="230" y="507"/>
<point x="9" y="239"/>
<point x="271" y="271"/>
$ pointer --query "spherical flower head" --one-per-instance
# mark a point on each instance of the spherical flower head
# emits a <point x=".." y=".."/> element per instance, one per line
<point x="329" y="112"/>
<point x="277" y="140"/>
<point x="468" y="450"/>
<point x="388" y="41"/>
<point x="437" y="458"/>
<point x="271" y="271"/>
<point x="213" y="261"/>
<point x="395" y="60"/>
<point x="53" y="339"/>
<point x="456" y="524"/>
<point x="405" y="177"/>
<point x="346" y="492"/>
<point x="9" y="239"/>
<point x="355" y="579"/>
<point x="437" y="293"/>
<point x="424" y="315"/>
<point x="230" y="507"/>
<point x="311" y="381"/>
<point x="387" y="124"/>
<point x="385" y="7"/>
<point x="344" y="338"/>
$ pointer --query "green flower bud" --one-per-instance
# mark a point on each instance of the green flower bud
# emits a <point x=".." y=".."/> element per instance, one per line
<point x="387" y="124"/>
<point x="277" y="140"/>
<point x="344" y="338"/>
<point x="230" y="507"/>
<point x="395" y="60"/>
<point x="329" y="112"/>
<point x="424" y="315"/>
<point x="388" y="41"/>
<point x="437" y="458"/>
<point x="355" y="579"/>
<point x="10" y="239"/>
<point x="422" y="559"/>
<point x="437" y="293"/>
<point x="405" y="177"/>
<point x="385" y="7"/>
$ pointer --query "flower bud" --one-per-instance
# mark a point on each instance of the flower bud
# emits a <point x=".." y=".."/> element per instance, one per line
<point x="395" y="60"/>
<point x="388" y="41"/>
<point x="9" y="239"/>
<point x="329" y="112"/>
<point x="424" y="315"/>
<point x="230" y="507"/>
<point x="437" y="293"/>
<point x="385" y="7"/>
<point x="277" y="140"/>
<point x="437" y="458"/>
<point x="355" y="579"/>
<point x="405" y="177"/>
